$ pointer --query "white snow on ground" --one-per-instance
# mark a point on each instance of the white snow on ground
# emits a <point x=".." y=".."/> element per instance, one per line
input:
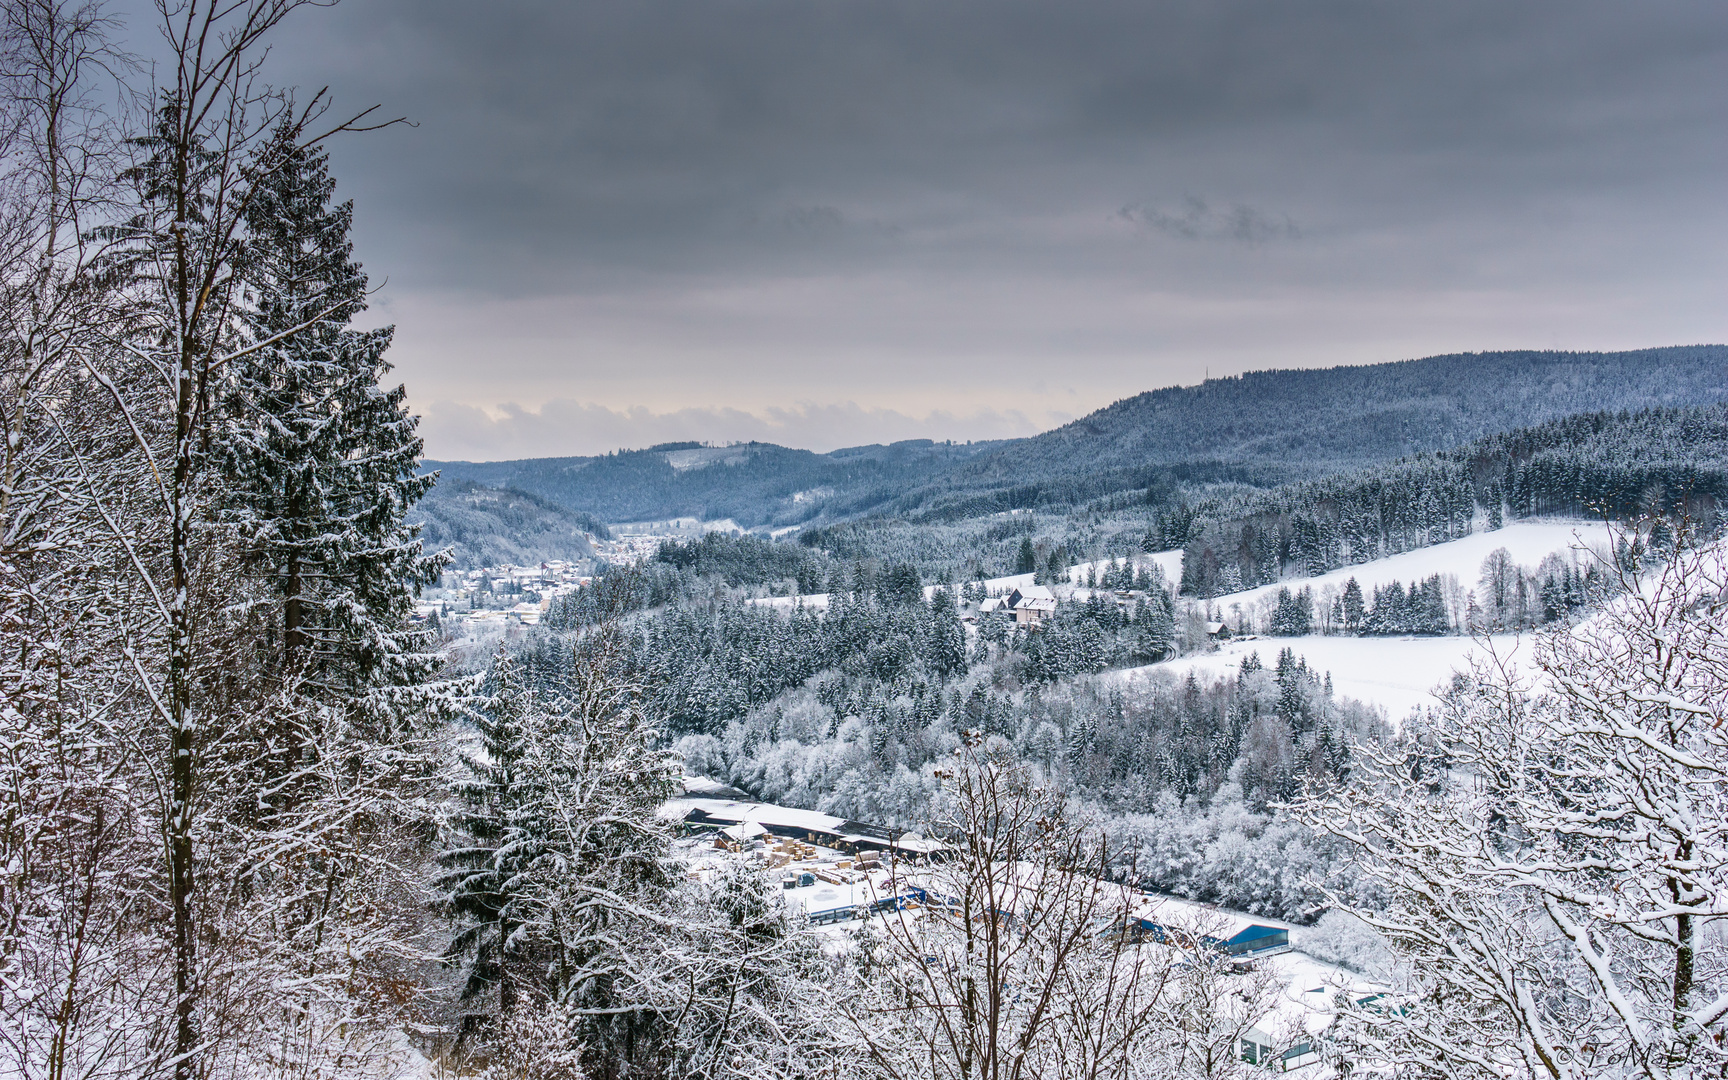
<point x="1170" y="562"/>
<point x="1396" y="673"/>
<point x="1000" y="586"/>
<point x="1399" y="673"/>
<point x="1528" y="542"/>
<point x="814" y="601"/>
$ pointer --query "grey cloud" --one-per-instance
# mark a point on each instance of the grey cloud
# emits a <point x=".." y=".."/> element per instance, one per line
<point x="917" y="204"/>
<point x="815" y="221"/>
<point x="1193" y="219"/>
<point x="559" y="140"/>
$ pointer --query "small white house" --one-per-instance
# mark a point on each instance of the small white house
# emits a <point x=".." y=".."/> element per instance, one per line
<point x="1033" y="606"/>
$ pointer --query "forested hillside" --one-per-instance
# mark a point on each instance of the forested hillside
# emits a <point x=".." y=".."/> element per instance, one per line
<point x="1323" y="419"/>
<point x="488" y="526"/>
<point x="1261" y="429"/>
<point x="1617" y="465"/>
<point x="1269" y="427"/>
<point x="752" y="483"/>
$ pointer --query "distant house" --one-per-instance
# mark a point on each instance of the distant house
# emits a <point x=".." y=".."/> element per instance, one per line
<point x="1033" y="606"/>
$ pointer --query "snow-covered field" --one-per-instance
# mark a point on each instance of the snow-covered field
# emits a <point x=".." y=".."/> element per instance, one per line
<point x="1396" y="673"/>
<point x="814" y="601"/>
<point x="1528" y="542"/>
<point x="1170" y="562"/>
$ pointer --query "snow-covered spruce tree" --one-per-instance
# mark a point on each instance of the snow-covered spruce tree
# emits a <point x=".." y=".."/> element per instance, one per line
<point x="483" y="866"/>
<point x="320" y="460"/>
<point x="318" y="468"/>
<point x="1557" y="854"/>
<point x="557" y="877"/>
<point x="945" y="637"/>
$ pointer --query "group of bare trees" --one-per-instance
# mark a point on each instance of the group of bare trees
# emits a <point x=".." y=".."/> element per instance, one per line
<point x="1549" y="851"/>
<point x="1553" y="844"/>
<point x="204" y="842"/>
<point x="1025" y="959"/>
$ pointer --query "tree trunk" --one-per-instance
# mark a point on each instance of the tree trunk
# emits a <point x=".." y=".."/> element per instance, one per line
<point x="293" y="617"/>
<point x="1685" y="933"/>
<point x="181" y="774"/>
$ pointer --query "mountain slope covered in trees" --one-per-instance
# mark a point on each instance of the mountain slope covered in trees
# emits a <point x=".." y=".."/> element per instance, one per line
<point x="1617" y="465"/>
<point x="487" y="526"/>
<point x="1261" y="429"/>
<point x="752" y="483"/>
<point x="1321" y="419"/>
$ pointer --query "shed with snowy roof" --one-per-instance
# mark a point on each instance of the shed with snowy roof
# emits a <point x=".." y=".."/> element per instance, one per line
<point x="809" y="825"/>
<point x="1164" y="918"/>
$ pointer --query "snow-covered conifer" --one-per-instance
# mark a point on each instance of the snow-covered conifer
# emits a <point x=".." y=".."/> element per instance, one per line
<point x="945" y="636"/>
<point x="321" y="460"/>
<point x="557" y="876"/>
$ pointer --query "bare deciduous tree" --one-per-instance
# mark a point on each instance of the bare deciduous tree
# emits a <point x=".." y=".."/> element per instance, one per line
<point x="1021" y="962"/>
<point x="1557" y="849"/>
<point x="76" y="887"/>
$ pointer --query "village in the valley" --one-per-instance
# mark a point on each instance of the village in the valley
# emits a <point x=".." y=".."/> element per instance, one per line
<point x="837" y="875"/>
<point x="498" y="598"/>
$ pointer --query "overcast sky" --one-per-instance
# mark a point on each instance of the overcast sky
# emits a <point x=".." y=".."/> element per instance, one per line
<point x="828" y="222"/>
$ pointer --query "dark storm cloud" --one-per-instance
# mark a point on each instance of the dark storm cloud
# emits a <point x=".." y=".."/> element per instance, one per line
<point x="844" y="201"/>
<point x="652" y="133"/>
